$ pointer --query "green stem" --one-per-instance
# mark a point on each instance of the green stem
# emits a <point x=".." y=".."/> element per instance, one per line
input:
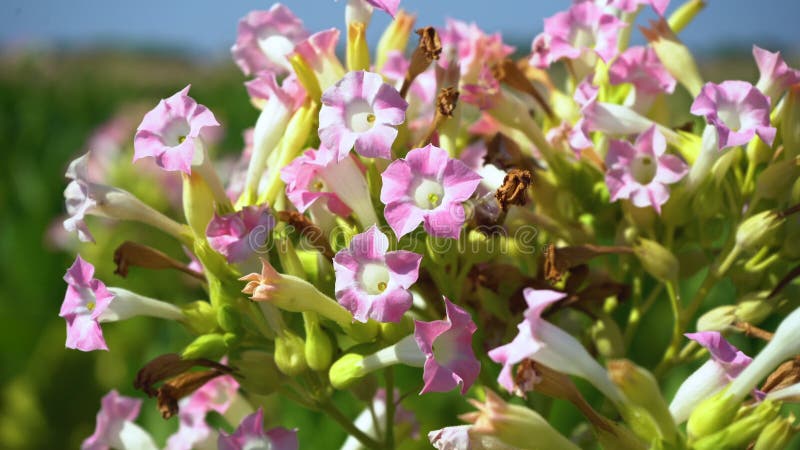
<point x="389" y="375"/>
<point x="335" y="414"/>
<point x="677" y="329"/>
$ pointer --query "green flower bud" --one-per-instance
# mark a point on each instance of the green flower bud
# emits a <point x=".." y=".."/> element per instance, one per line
<point x="776" y="434"/>
<point x="515" y="425"/>
<point x="259" y="373"/>
<point x="757" y="230"/>
<point x="198" y="203"/>
<point x="718" y="319"/>
<point x="640" y="421"/>
<point x="790" y="121"/>
<point x="657" y="260"/>
<point x="618" y="437"/>
<point x="685" y="14"/>
<point x="318" y="347"/>
<point x="229" y="319"/>
<point x="642" y="390"/>
<point x="199" y="317"/>
<point x="607" y="337"/>
<point x="209" y="346"/>
<point x="743" y="431"/>
<point x="707" y="202"/>
<point x="290" y="354"/>
<point x="712" y="414"/>
<point x="232" y="340"/>
<point x="773" y="181"/>
<point x="754" y="307"/>
<point x="392" y="332"/>
<point x="346" y="370"/>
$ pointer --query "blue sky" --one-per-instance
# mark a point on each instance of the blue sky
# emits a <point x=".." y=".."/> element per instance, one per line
<point x="209" y="27"/>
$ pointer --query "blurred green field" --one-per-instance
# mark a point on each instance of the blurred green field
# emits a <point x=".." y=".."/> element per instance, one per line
<point x="49" y="105"/>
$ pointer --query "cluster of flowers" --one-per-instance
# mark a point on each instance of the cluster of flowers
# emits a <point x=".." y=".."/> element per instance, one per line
<point x="389" y="207"/>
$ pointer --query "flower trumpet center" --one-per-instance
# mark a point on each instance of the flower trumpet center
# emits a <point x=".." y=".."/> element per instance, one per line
<point x="428" y="194"/>
<point x="643" y="169"/>
<point x="275" y="47"/>
<point x="359" y="116"/>
<point x="90" y="306"/>
<point x="444" y="348"/>
<point x="257" y="443"/>
<point x="176" y="132"/>
<point x="730" y="116"/>
<point x="374" y="278"/>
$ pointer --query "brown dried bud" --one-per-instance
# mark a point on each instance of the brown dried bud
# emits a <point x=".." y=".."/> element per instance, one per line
<point x="181" y="386"/>
<point x="505" y="153"/>
<point x="559" y="260"/>
<point x="131" y="254"/>
<point x="427" y="51"/>
<point x="508" y="72"/>
<point x="751" y="330"/>
<point x="785" y="375"/>
<point x="429" y="43"/>
<point x="307" y="229"/>
<point x="168" y="366"/>
<point x="446" y="101"/>
<point x="514" y="190"/>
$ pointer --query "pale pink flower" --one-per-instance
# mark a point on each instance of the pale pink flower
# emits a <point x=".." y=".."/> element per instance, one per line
<point x="428" y="187"/>
<point x="551" y="346"/>
<point x="236" y="236"/>
<point x="568" y="34"/>
<point x="390" y="6"/>
<point x="447" y="345"/>
<point x="265" y="86"/>
<point x="361" y="111"/>
<point x="317" y="174"/>
<point x="775" y="76"/>
<point x="641" y="67"/>
<point x="170" y="132"/>
<point x="115" y="428"/>
<point x="264" y="38"/>
<point x="319" y="52"/>
<point x="251" y="435"/>
<point x="473" y="48"/>
<point x="737" y="110"/>
<point x="84" y="302"/>
<point x="725" y="364"/>
<point x="659" y="6"/>
<point x="373" y="283"/>
<point x="485" y="92"/>
<point x="642" y="171"/>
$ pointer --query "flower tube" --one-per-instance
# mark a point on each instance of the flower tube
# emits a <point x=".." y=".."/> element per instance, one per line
<point x="547" y="344"/>
<point x="84" y="197"/>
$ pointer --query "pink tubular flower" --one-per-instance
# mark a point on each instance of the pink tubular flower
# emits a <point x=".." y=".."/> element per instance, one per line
<point x="659" y="6"/>
<point x="427" y="186"/>
<point x="737" y="110"/>
<point x="264" y="39"/>
<point x="362" y="111"/>
<point x="642" y="171"/>
<point x="725" y="364"/>
<point x="85" y="300"/>
<point x="319" y="52"/>
<point x="774" y="74"/>
<point x="485" y="92"/>
<point x="473" y="48"/>
<point x="551" y="346"/>
<point x="193" y="431"/>
<point x="251" y="435"/>
<point x="115" y="427"/>
<point x="568" y="34"/>
<point x="447" y="345"/>
<point x="317" y="174"/>
<point x="170" y="131"/>
<point x="265" y="86"/>
<point x="236" y="236"/>
<point x="641" y="67"/>
<point x="373" y="283"/>
<point x="390" y="6"/>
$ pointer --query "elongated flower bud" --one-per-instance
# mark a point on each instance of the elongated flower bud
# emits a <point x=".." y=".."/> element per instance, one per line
<point x="290" y="354"/>
<point x="776" y="434"/>
<point x="208" y="346"/>
<point x="657" y="260"/>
